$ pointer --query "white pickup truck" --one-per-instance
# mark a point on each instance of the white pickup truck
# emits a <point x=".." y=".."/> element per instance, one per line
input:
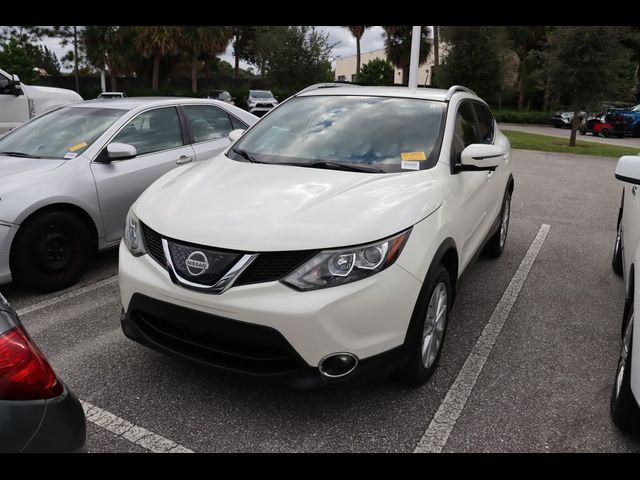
<point x="20" y="102"/>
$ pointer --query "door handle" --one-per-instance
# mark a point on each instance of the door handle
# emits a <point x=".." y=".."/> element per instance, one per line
<point x="184" y="159"/>
<point x="634" y="189"/>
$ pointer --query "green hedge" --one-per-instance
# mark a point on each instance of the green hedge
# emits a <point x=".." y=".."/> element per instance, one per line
<point x="516" y="116"/>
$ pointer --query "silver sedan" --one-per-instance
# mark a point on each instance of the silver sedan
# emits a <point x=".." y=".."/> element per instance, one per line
<point x="68" y="177"/>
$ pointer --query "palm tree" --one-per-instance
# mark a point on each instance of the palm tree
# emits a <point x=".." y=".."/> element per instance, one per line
<point x="156" y="42"/>
<point x="358" y="32"/>
<point x="107" y="45"/>
<point x="203" y="42"/>
<point x="397" y="45"/>
<point x="524" y="40"/>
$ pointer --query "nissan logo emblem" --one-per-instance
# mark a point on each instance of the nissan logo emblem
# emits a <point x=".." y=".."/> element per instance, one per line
<point x="197" y="263"/>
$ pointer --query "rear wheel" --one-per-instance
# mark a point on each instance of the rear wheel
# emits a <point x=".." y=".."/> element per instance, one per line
<point x="495" y="246"/>
<point x="636" y="132"/>
<point x="51" y="251"/>
<point x="427" y="330"/>
<point x="624" y="408"/>
<point x="605" y="133"/>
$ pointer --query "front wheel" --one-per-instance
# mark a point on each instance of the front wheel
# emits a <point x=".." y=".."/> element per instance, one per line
<point x="428" y="329"/>
<point x="495" y="246"/>
<point x="624" y="408"/>
<point x="51" y="251"/>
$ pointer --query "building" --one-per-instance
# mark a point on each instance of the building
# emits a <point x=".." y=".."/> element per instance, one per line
<point x="346" y="67"/>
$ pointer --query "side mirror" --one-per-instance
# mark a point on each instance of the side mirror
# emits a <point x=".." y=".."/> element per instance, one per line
<point x="479" y="157"/>
<point x="120" y="151"/>
<point x="628" y="169"/>
<point x="16" y="87"/>
<point x="236" y="134"/>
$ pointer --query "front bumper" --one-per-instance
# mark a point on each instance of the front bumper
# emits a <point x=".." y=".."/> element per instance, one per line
<point x="7" y="233"/>
<point x="365" y="318"/>
<point x="561" y="122"/>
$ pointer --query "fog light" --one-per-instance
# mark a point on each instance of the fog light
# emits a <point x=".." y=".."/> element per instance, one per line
<point x="338" y="365"/>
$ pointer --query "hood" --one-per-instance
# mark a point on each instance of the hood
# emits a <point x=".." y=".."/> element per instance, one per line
<point x="52" y="92"/>
<point x="255" y="207"/>
<point x="17" y="169"/>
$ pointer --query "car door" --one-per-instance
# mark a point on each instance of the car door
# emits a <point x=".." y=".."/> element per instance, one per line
<point x="209" y="128"/>
<point x="497" y="179"/>
<point x="162" y="145"/>
<point x="14" y="109"/>
<point x="470" y="187"/>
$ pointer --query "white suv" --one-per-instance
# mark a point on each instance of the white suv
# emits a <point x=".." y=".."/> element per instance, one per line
<point x="626" y="255"/>
<point x="325" y="244"/>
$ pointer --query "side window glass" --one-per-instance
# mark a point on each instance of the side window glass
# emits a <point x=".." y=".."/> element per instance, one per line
<point x="465" y="132"/>
<point x="152" y="131"/>
<point x="237" y="123"/>
<point x="207" y="123"/>
<point x="485" y="123"/>
<point x="4" y="84"/>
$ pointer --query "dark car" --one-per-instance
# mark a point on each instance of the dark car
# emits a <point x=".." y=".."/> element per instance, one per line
<point x="38" y="413"/>
<point x="614" y="121"/>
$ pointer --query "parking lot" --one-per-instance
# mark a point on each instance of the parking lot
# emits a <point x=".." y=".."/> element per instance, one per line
<point x="627" y="141"/>
<point x="543" y="386"/>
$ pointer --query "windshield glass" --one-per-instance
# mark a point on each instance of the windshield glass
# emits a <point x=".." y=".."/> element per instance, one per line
<point x="63" y="133"/>
<point x="260" y="94"/>
<point x="382" y="133"/>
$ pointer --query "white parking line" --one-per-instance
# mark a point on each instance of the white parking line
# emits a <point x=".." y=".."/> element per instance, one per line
<point x="436" y="436"/>
<point x="128" y="431"/>
<point x="67" y="296"/>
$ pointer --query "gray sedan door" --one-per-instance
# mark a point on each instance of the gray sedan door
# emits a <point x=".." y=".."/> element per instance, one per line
<point x="158" y="138"/>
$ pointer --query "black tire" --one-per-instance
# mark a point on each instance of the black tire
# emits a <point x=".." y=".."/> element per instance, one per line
<point x="582" y="131"/>
<point x="605" y="133"/>
<point x="414" y="372"/>
<point x="495" y="245"/>
<point x="636" y="132"/>
<point x="616" y="261"/>
<point x="51" y="251"/>
<point x="624" y="408"/>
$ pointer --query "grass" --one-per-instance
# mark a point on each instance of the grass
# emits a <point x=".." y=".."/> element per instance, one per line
<point x="545" y="143"/>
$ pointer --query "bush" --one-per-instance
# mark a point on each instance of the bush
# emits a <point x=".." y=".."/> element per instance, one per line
<point x="516" y="116"/>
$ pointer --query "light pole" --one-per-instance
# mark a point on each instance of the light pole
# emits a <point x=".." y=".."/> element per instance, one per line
<point x="415" y="56"/>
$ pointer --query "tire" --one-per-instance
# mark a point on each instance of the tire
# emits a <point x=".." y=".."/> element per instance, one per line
<point x="624" y="408"/>
<point x="616" y="261"/>
<point x="636" y="132"/>
<point x="426" y="338"/>
<point x="51" y="251"/>
<point x="495" y="245"/>
<point x="582" y="131"/>
<point x="605" y="133"/>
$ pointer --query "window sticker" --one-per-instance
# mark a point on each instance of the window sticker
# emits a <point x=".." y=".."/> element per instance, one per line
<point x="409" y="165"/>
<point x="70" y="155"/>
<point x="78" y="146"/>
<point x="414" y="156"/>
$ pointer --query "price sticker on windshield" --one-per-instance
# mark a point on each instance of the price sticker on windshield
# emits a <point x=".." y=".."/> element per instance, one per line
<point x="78" y="146"/>
<point x="414" y="156"/>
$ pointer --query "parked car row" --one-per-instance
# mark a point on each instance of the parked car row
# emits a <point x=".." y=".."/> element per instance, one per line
<point x="616" y="122"/>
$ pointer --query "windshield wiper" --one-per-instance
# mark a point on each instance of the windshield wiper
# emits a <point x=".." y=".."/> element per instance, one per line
<point x="340" y="166"/>
<point x="19" y="154"/>
<point x="246" y="155"/>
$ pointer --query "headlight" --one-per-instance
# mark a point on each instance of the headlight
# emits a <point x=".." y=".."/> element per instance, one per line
<point x="330" y="268"/>
<point x="133" y="235"/>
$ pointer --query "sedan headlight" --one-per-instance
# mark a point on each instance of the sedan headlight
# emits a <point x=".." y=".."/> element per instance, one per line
<point x="133" y="235"/>
<point x="330" y="268"/>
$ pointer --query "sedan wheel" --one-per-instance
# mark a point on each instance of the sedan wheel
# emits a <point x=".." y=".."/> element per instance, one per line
<point x="434" y="325"/>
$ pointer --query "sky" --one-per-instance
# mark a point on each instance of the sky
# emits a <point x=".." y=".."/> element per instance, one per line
<point x="345" y="43"/>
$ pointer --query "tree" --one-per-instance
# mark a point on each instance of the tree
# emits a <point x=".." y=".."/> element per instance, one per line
<point x="523" y="40"/>
<point x="376" y="72"/>
<point x="203" y="43"/>
<point x="17" y="61"/>
<point x="588" y="64"/>
<point x="472" y="60"/>
<point x="157" y="42"/>
<point x="397" y="46"/>
<point x="108" y="45"/>
<point x="244" y="39"/>
<point x="358" y="32"/>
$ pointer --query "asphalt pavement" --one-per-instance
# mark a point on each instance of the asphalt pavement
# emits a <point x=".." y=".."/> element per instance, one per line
<point x="544" y="387"/>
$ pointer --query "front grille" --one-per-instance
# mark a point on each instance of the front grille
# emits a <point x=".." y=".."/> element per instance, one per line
<point x="272" y="266"/>
<point x="202" y="265"/>
<point x="213" y="340"/>
<point x="264" y="105"/>
<point x="153" y="241"/>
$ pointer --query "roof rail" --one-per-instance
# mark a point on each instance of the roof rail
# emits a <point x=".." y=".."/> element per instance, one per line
<point x="456" y="89"/>
<point x="325" y="85"/>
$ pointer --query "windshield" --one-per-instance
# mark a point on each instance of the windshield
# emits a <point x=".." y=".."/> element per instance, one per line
<point x="382" y="133"/>
<point x="259" y="94"/>
<point x="63" y="133"/>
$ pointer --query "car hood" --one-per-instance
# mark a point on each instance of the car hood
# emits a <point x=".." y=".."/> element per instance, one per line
<point x="17" y="169"/>
<point x="255" y="207"/>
